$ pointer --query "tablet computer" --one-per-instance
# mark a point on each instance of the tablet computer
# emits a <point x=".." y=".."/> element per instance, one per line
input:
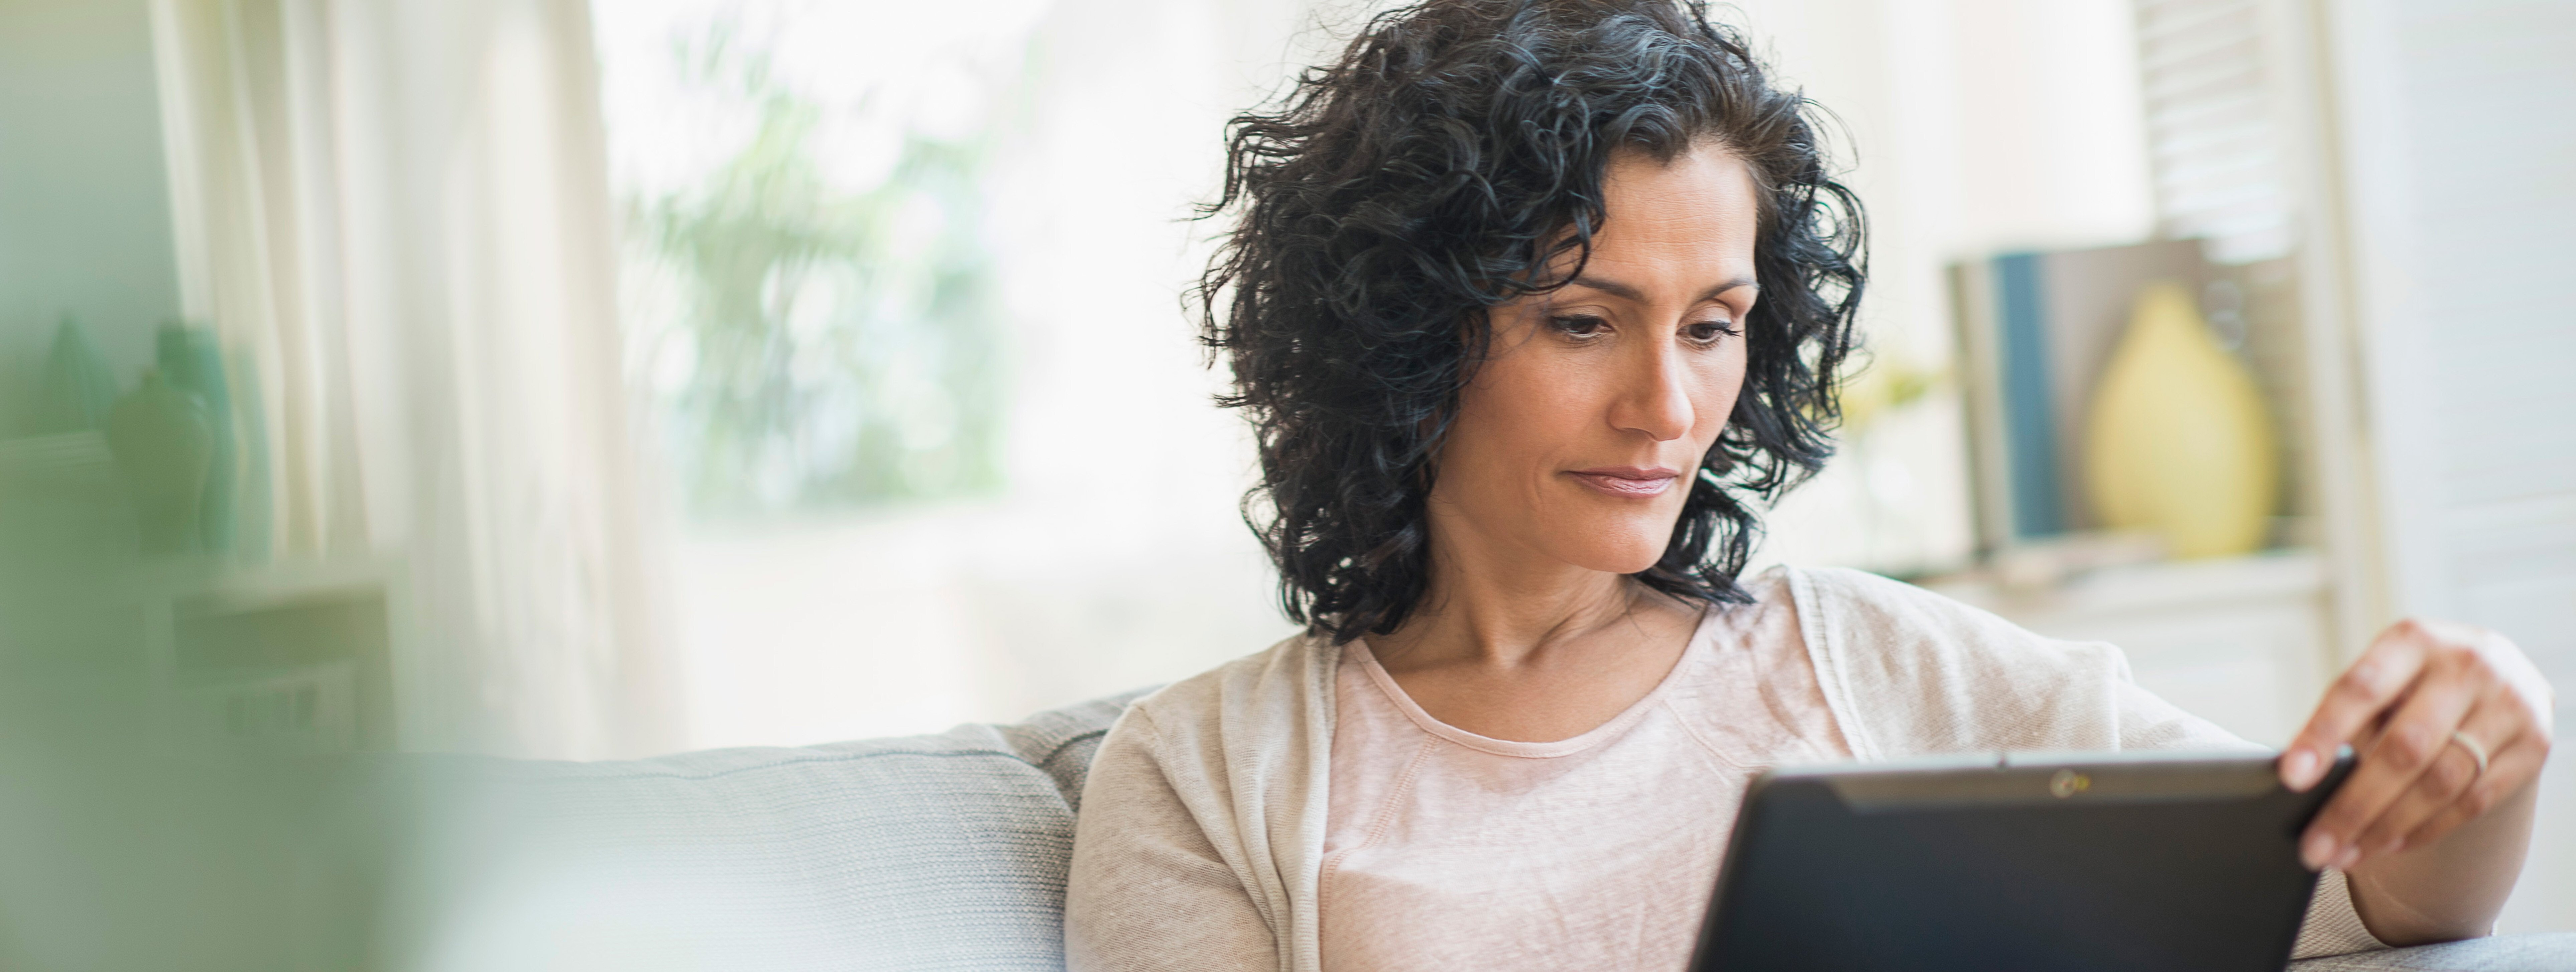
<point x="2097" y="863"/>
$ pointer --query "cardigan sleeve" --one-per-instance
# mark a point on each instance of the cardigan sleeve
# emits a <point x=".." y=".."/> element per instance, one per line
<point x="2147" y="721"/>
<point x="1148" y="890"/>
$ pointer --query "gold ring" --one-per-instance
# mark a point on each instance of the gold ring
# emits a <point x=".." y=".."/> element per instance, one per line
<point x="2477" y="750"/>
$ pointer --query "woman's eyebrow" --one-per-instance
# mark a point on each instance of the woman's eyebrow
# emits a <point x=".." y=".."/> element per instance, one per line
<point x="1626" y="291"/>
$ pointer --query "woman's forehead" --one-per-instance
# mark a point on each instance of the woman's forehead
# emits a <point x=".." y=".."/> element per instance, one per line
<point x="1689" y="223"/>
<point x="1698" y="191"/>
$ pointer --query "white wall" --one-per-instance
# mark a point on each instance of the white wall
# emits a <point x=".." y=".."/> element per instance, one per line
<point x="2459" y="150"/>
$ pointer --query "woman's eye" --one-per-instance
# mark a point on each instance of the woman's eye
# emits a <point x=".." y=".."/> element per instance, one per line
<point x="1578" y="325"/>
<point x="1709" y="332"/>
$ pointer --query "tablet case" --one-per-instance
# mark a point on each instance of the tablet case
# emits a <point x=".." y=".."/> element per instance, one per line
<point x="2102" y="863"/>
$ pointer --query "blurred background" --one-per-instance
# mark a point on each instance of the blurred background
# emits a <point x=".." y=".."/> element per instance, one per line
<point x="540" y="378"/>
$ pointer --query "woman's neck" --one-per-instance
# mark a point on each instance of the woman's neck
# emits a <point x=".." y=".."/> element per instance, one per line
<point x="1501" y="612"/>
<point x="1530" y="648"/>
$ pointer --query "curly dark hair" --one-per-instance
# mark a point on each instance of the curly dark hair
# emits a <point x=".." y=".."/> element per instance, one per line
<point x="1450" y="158"/>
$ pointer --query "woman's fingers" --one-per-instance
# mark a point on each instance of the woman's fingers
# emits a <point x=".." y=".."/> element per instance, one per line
<point x="2353" y="702"/>
<point x="2452" y="771"/>
<point x="2412" y="743"/>
<point x="2399" y="706"/>
<point x="2509" y="769"/>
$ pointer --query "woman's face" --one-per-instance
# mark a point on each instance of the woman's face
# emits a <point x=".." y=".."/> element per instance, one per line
<point x="1578" y="439"/>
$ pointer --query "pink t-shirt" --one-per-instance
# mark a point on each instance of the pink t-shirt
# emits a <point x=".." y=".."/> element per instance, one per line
<point x="1449" y="850"/>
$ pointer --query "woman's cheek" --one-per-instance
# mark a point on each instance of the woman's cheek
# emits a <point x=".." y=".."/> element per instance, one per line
<point x="1717" y="406"/>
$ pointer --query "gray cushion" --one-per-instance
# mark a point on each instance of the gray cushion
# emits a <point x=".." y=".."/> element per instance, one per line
<point x="2504" y="953"/>
<point x="928" y="852"/>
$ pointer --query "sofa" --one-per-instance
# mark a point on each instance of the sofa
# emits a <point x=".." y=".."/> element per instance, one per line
<point x="944" y="851"/>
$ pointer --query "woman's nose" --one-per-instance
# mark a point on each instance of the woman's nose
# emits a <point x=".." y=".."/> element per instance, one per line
<point x="1655" y="398"/>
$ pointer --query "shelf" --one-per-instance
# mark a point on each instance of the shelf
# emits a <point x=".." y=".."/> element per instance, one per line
<point x="2271" y="575"/>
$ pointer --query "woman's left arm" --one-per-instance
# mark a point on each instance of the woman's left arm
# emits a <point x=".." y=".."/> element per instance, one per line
<point x="2452" y="724"/>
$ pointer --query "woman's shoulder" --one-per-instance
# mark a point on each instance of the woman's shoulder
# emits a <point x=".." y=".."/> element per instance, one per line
<point x="1928" y="673"/>
<point x="1286" y="665"/>
<point x="1855" y="610"/>
<point x="1272" y="689"/>
<point x="1229" y="746"/>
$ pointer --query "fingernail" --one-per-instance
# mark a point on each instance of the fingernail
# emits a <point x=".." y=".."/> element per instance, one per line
<point x="2319" y="851"/>
<point x="2298" y="769"/>
<point x="2345" y="860"/>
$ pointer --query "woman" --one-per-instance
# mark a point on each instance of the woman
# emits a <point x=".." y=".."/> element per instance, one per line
<point x="1533" y="302"/>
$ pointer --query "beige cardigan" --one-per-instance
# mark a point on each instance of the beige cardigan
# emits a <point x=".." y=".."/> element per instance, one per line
<point x="1201" y="830"/>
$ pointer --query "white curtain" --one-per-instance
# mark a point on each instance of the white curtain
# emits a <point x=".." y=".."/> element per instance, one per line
<point x="394" y="213"/>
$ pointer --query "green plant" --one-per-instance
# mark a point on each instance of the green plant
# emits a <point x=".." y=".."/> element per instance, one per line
<point x="828" y="346"/>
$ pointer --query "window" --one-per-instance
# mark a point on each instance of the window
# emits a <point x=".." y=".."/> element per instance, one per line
<point x="901" y="293"/>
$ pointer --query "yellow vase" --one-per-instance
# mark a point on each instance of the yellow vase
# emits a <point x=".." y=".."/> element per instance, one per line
<point x="2180" y="444"/>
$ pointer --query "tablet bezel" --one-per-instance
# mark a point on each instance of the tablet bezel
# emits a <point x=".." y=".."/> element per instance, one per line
<point x="1950" y="790"/>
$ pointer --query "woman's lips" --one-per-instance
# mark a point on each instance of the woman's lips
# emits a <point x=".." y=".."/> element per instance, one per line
<point x="1627" y="480"/>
